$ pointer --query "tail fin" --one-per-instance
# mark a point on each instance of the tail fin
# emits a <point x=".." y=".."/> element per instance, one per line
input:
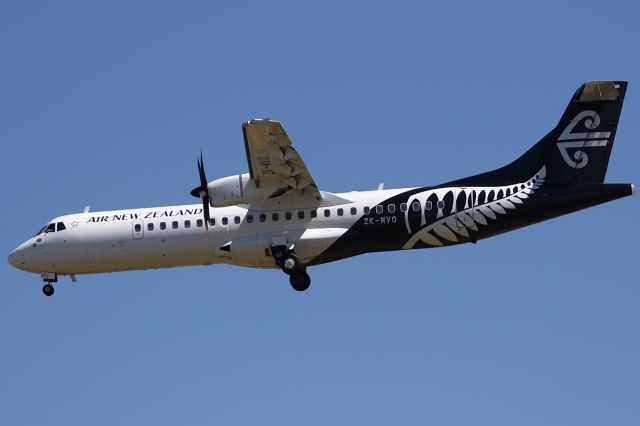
<point x="585" y="134"/>
<point x="577" y="150"/>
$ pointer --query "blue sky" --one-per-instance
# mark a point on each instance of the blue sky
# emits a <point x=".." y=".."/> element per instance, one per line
<point x="108" y="104"/>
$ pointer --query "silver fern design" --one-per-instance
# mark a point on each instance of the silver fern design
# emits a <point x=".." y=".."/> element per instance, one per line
<point x="490" y="202"/>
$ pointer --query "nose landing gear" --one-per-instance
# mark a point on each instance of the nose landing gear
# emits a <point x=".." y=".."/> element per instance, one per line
<point x="48" y="278"/>
<point x="290" y="265"/>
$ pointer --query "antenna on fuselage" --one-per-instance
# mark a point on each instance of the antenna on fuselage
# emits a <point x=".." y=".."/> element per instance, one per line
<point x="86" y="209"/>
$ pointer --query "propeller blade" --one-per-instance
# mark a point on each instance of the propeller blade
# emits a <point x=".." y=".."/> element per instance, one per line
<point x="205" y="210"/>
<point x="202" y="192"/>
<point x="203" y="177"/>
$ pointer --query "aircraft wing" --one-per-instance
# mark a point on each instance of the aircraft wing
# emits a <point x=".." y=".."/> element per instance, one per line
<point x="273" y="161"/>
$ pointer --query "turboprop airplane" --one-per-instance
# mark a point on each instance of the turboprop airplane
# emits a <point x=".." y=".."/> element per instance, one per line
<point x="275" y="216"/>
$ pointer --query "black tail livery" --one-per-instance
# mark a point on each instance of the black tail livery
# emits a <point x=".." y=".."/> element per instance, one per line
<point x="577" y="150"/>
<point x="564" y="172"/>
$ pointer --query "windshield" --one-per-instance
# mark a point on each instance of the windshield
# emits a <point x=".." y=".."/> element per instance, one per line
<point x="49" y="227"/>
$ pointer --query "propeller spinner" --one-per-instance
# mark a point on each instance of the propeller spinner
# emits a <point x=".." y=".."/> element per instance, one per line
<point x="202" y="192"/>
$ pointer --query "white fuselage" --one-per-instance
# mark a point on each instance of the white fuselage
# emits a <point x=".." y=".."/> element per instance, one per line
<point x="165" y="237"/>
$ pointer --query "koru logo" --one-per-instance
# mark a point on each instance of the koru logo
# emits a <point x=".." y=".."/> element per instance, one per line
<point x="590" y="120"/>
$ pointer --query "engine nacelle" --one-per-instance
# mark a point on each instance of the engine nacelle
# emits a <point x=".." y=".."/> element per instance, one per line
<point x="232" y="190"/>
<point x="241" y="189"/>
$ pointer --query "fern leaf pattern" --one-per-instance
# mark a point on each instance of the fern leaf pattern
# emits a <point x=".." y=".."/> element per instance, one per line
<point x="490" y="204"/>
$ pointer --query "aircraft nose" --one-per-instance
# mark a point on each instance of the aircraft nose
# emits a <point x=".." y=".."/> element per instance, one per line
<point x="13" y="259"/>
<point x="17" y="258"/>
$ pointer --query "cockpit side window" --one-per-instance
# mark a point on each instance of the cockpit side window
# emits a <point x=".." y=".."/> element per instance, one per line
<point x="60" y="227"/>
<point x="41" y="230"/>
<point x="50" y="228"/>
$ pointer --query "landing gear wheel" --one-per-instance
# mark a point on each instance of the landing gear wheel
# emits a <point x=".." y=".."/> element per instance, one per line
<point x="290" y="264"/>
<point x="300" y="280"/>
<point x="48" y="290"/>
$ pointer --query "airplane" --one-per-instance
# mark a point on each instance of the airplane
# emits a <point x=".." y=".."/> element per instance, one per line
<point x="275" y="216"/>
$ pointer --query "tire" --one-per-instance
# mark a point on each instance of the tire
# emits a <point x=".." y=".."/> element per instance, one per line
<point x="48" y="290"/>
<point x="300" y="280"/>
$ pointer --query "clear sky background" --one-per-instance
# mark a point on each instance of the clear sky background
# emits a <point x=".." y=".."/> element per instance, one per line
<point x="109" y="103"/>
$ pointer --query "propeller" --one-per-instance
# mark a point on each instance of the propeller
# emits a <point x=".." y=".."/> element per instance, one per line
<point x="202" y="192"/>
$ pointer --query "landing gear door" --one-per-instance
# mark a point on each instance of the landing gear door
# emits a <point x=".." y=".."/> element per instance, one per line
<point x="465" y="201"/>
<point x="137" y="227"/>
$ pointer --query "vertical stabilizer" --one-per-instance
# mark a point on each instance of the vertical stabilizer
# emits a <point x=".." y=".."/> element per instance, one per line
<point x="577" y="150"/>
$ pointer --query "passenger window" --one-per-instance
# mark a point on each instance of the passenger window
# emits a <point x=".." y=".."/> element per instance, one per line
<point x="187" y="224"/>
<point x="61" y="227"/>
<point x="50" y="228"/>
<point x="212" y="222"/>
<point x="287" y="216"/>
<point x="199" y="223"/>
<point x="340" y="212"/>
<point x="327" y="212"/>
<point x="313" y="213"/>
<point x="441" y="204"/>
<point x="137" y="227"/>
<point x="428" y="205"/>
<point x="415" y="206"/>
<point x="150" y="226"/>
<point x="391" y="208"/>
<point x="236" y="220"/>
<point x="354" y="211"/>
<point x="300" y="214"/>
<point x="366" y="210"/>
<point x="275" y="217"/>
<point x="249" y="218"/>
<point x="163" y="225"/>
<point x="379" y="209"/>
<point x="263" y="218"/>
<point x="225" y="220"/>
<point x="403" y="207"/>
<point x="174" y="224"/>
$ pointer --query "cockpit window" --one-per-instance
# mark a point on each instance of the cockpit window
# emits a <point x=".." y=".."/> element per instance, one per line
<point x="50" y="228"/>
<point x="41" y="230"/>
<point x="61" y="227"/>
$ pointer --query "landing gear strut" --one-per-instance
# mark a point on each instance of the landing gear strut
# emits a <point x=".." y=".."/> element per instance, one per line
<point x="290" y="265"/>
<point x="49" y="278"/>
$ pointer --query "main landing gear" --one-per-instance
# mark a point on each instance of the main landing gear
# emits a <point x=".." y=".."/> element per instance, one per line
<point x="48" y="278"/>
<point x="290" y="265"/>
<point x="300" y="280"/>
